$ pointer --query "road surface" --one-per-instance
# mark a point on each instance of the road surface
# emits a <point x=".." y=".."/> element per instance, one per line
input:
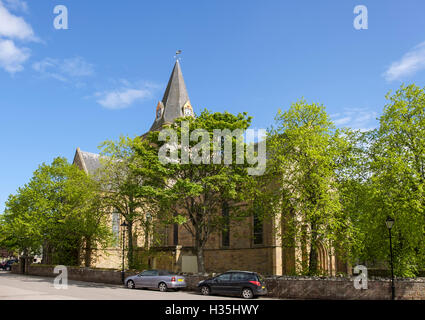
<point x="21" y="287"/>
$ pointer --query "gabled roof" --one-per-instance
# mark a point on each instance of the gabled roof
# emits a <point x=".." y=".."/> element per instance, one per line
<point x="87" y="161"/>
<point x="175" y="97"/>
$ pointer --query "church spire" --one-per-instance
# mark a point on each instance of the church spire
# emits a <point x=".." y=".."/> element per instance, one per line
<point x="175" y="102"/>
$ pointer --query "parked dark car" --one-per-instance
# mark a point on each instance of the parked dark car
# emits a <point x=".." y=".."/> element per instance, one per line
<point x="7" y="265"/>
<point x="243" y="283"/>
<point x="156" y="279"/>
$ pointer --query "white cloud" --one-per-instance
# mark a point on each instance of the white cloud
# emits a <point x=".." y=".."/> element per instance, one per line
<point x="123" y="97"/>
<point x="16" y="5"/>
<point x="77" y="67"/>
<point x="64" y="69"/>
<point x="359" y="119"/>
<point x="12" y="26"/>
<point x="342" y="121"/>
<point x="45" y="64"/>
<point x="12" y="57"/>
<point x="412" y="62"/>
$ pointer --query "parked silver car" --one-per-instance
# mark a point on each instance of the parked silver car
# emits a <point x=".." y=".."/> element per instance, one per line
<point x="158" y="279"/>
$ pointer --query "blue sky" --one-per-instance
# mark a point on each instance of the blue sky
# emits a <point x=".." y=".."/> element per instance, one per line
<point x="63" y="89"/>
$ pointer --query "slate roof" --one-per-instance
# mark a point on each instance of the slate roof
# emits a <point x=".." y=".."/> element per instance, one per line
<point x="90" y="161"/>
<point x="175" y="97"/>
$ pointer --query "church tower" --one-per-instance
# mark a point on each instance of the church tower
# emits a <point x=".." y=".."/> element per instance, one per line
<point x="175" y="102"/>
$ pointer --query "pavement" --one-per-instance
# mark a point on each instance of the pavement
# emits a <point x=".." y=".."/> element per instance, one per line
<point x="23" y="287"/>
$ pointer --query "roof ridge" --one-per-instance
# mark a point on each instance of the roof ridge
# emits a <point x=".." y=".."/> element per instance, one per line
<point x="88" y="152"/>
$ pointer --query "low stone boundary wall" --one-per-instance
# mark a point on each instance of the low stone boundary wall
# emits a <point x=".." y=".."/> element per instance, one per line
<point x="343" y="289"/>
<point x="278" y="287"/>
<point x="75" y="273"/>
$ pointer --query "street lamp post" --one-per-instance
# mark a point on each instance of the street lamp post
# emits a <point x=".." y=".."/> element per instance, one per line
<point x="148" y="221"/>
<point x="390" y="222"/>
<point x="124" y="224"/>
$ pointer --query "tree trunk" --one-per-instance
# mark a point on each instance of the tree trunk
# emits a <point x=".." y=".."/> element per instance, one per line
<point x="199" y="254"/>
<point x="47" y="254"/>
<point x="75" y="257"/>
<point x="313" y="260"/>
<point x="88" y="253"/>
<point x="44" y="257"/>
<point x="304" y="251"/>
<point x="312" y="270"/>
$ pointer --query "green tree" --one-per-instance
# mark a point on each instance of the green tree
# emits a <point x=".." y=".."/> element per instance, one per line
<point x="305" y="157"/>
<point x="356" y="191"/>
<point x="126" y="181"/>
<point x="396" y="186"/>
<point x="20" y="225"/>
<point x="192" y="194"/>
<point x="59" y="210"/>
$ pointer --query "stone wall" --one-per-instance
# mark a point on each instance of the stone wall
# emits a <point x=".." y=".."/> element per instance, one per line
<point x="75" y="273"/>
<point x="343" y="289"/>
<point x="278" y="287"/>
<point x="335" y="288"/>
<point x="255" y="259"/>
<point x="109" y="258"/>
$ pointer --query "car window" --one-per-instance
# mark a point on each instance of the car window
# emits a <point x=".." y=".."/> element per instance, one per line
<point x="242" y="277"/>
<point x="164" y="273"/>
<point x="149" y="273"/>
<point x="224" y="277"/>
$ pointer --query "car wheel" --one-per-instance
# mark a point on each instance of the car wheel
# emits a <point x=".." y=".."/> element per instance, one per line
<point x="130" y="284"/>
<point x="247" y="293"/>
<point x="162" y="287"/>
<point x="205" y="290"/>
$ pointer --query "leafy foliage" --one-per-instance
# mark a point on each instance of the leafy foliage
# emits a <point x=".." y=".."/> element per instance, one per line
<point x="59" y="210"/>
<point x="128" y="187"/>
<point x="192" y="194"/>
<point x="305" y="155"/>
<point x="393" y="185"/>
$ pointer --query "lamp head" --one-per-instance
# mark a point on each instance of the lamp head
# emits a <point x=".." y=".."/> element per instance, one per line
<point x="124" y="224"/>
<point x="389" y="222"/>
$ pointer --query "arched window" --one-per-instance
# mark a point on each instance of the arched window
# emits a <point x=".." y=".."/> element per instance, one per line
<point x="175" y="233"/>
<point x="158" y="113"/>
<point x="257" y="224"/>
<point x="187" y="109"/>
<point x="116" y="225"/>
<point x="159" y="110"/>
<point x="225" y="236"/>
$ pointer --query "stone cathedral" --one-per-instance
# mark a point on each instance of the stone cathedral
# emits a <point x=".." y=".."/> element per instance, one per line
<point x="246" y="245"/>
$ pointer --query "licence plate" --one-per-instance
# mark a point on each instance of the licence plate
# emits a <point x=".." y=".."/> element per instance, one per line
<point x="180" y="280"/>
